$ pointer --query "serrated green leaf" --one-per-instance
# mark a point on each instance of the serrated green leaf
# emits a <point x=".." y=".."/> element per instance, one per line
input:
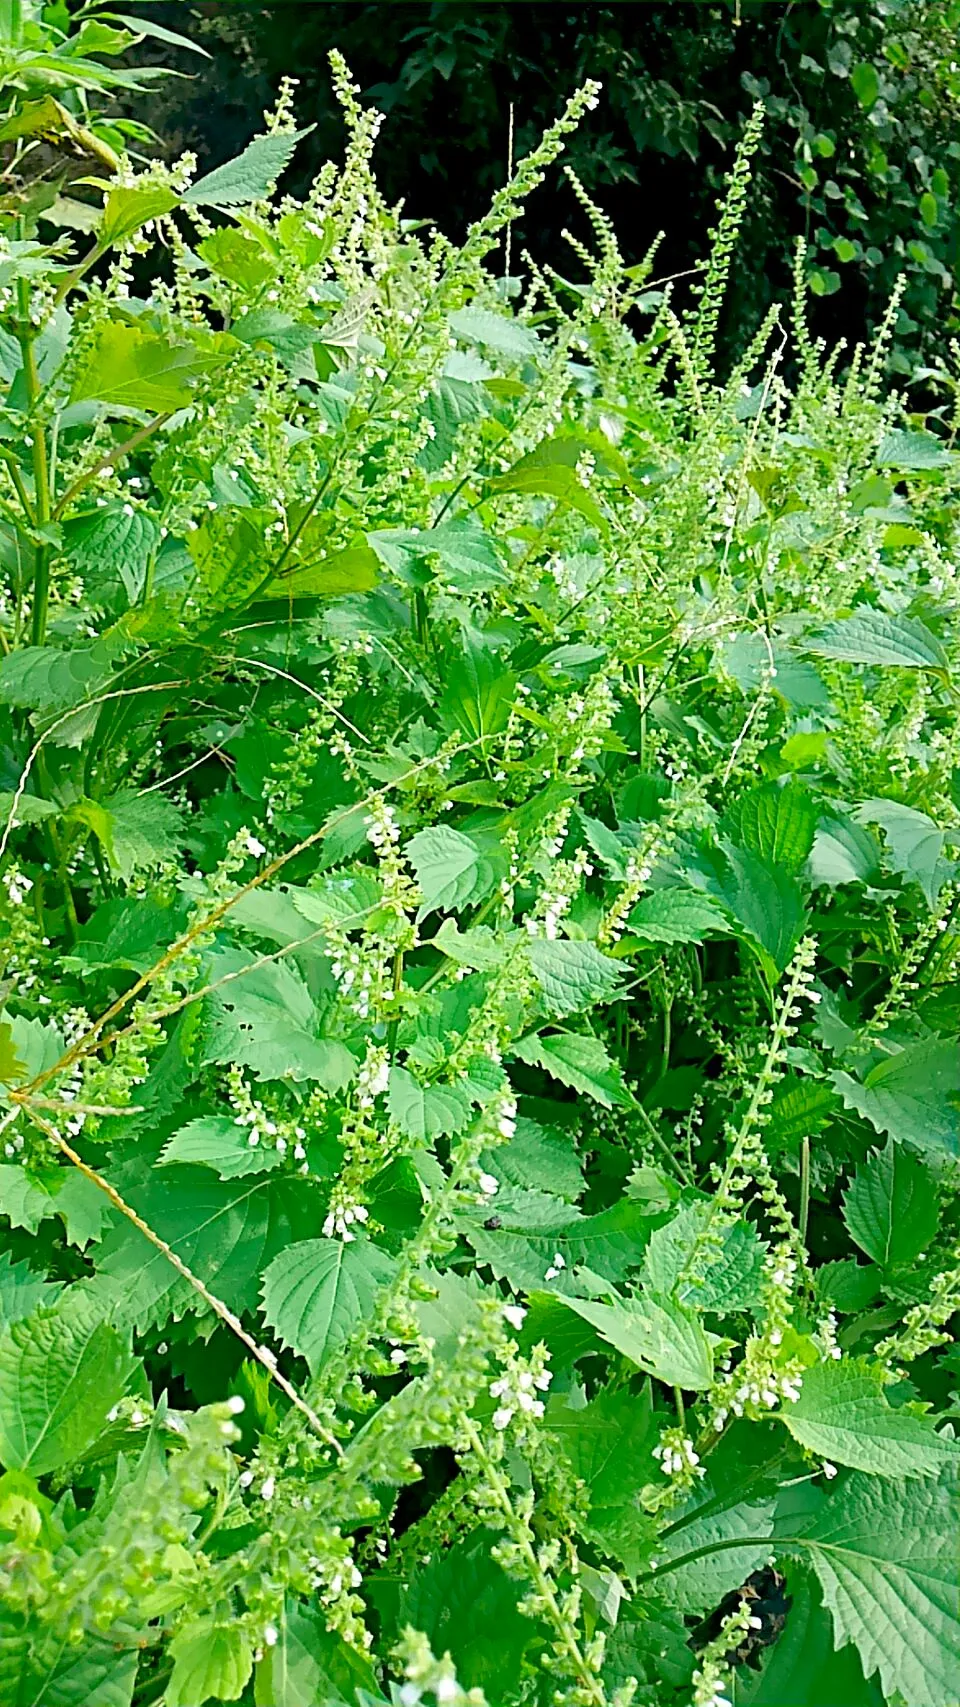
<point x="498" y="332"/>
<point x="316" y="1293"/>
<point x="226" y="1231"/>
<point x="890" y="1209"/>
<point x="874" y="637"/>
<point x="912" y="1095"/>
<point x="262" y="1017"/>
<point x="466" y="1605"/>
<point x="914" y="843"/>
<point x="61" y="1370"/>
<point x="451" y="872"/>
<point x="700" y="1585"/>
<point x="912" y="451"/>
<point x="577" y="1060"/>
<point x="843" y="1416"/>
<point x="251" y="176"/>
<point x="886" y="1557"/>
<point x="662" y="1337"/>
<point x="222" y="1144"/>
<point x="22" y="1291"/>
<point x="309" y="1663"/>
<point x="140" y="369"/>
<point x="677" y="915"/>
<point x="776" y="822"/>
<point x="802" y="1666"/>
<point x="211" y="1662"/>
<point x="572" y="975"/>
<point x="425" y="1112"/>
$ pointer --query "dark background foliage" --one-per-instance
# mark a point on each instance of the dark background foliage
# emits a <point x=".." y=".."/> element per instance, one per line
<point x="858" y="155"/>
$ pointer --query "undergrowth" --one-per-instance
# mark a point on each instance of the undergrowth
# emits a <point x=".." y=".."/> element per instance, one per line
<point x="479" y="1045"/>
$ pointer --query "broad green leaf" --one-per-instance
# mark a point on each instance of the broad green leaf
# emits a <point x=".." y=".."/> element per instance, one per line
<point x="425" y="1112"/>
<point x="802" y="1667"/>
<point x="248" y="178"/>
<point x="309" y="1663"/>
<point x="874" y="637"/>
<point x="914" y="843"/>
<point x="263" y="1017"/>
<point x="539" y="1157"/>
<point x="306" y="575"/>
<point x="865" y="82"/>
<point x="801" y="1107"/>
<point x="241" y="259"/>
<point x="660" y="1336"/>
<point x="700" y="1585"/>
<point x="128" y="206"/>
<point x="318" y="1291"/>
<point x="763" y="900"/>
<point x="211" y="1662"/>
<point x="226" y="1231"/>
<point x="509" y="337"/>
<point x="890" y="1209"/>
<point x="231" y="556"/>
<point x="733" y="1278"/>
<point x="777" y="823"/>
<point x="61" y="1370"/>
<point x="45" y="680"/>
<point x="137" y="832"/>
<point x="572" y="975"/>
<point x="608" y="1444"/>
<point x="609" y="1244"/>
<point x="677" y="915"/>
<point x="479" y="696"/>
<point x="126" y="931"/>
<point x="214" y="1141"/>
<point x="144" y="370"/>
<point x="114" y="543"/>
<point x="467" y="1606"/>
<point x="578" y="1060"/>
<point x="843" y="1415"/>
<point x="552" y="480"/>
<point x="470" y="560"/>
<point x="58" y="1673"/>
<point x="913" y="451"/>
<point x="479" y="949"/>
<point x="22" y="1291"/>
<point x="912" y="1095"/>
<point x="28" y="1197"/>
<point x="885" y="1553"/>
<point x="843" y="852"/>
<point x="450" y="870"/>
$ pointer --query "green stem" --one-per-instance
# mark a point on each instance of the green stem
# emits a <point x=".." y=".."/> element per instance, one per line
<point x="804" y="1186"/>
<point x="41" y="478"/>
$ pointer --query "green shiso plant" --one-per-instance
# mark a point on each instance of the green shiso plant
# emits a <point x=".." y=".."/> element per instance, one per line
<point x="478" y="1056"/>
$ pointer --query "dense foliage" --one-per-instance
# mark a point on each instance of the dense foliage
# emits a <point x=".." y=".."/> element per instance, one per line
<point x="478" y="1063"/>
<point x="859" y="152"/>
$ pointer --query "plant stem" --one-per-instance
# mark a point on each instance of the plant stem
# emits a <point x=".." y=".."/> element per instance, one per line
<point x="41" y="476"/>
<point x="804" y="1186"/>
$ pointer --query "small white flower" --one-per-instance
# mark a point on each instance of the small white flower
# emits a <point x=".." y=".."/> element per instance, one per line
<point x="502" y="1416"/>
<point x="489" y="1185"/>
<point x="514" y="1315"/>
<point x="829" y="1471"/>
<point x="268" y="1489"/>
<point x="270" y="1635"/>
